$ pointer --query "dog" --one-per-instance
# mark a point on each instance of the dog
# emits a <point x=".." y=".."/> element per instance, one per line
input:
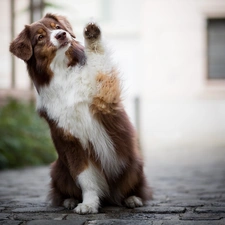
<point x="79" y="95"/>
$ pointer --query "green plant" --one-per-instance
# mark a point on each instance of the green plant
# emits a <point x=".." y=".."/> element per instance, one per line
<point x="24" y="137"/>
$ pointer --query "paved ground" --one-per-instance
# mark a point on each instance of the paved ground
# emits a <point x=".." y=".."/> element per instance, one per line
<point x="189" y="188"/>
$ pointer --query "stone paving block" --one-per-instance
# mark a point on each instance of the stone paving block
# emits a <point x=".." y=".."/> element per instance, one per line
<point x="119" y="222"/>
<point x="124" y="215"/>
<point x="10" y="222"/>
<point x="172" y="217"/>
<point x="38" y="216"/>
<point x="160" y="210"/>
<point x="210" y="210"/>
<point x="37" y="209"/>
<point x="21" y="204"/>
<point x="99" y="216"/>
<point x="180" y="222"/>
<point x="218" y="204"/>
<point x="4" y="216"/>
<point x="57" y="222"/>
<point x="187" y="203"/>
<point x="211" y="197"/>
<point x="200" y="216"/>
<point x="112" y="209"/>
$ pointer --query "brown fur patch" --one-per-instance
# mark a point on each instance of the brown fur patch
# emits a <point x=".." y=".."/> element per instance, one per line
<point x="131" y="181"/>
<point x="52" y="25"/>
<point x="75" y="54"/>
<point x="41" y="72"/>
<point x="21" y="46"/>
<point x="108" y="95"/>
<point x="41" y="31"/>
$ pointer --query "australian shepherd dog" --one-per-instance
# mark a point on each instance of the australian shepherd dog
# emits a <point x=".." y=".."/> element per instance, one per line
<point x="79" y="95"/>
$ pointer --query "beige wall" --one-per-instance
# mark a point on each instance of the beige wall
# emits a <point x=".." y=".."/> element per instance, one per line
<point x="5" y="37"/>
<point x="174" y="46"/>
<point x="180" y="106"/>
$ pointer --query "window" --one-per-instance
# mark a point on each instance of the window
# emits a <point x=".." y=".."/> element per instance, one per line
<point x="216" y="48"/>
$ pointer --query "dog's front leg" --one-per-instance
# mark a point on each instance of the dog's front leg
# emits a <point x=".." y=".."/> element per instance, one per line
<point x="93" y="184"/>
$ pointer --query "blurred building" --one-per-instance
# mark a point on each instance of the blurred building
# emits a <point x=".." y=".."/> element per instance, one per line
<point x="172" y="57"/>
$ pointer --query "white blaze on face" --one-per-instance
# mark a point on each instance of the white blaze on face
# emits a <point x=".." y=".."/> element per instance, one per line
<point x="57" y="40"/>
<point x="62" y="41"/>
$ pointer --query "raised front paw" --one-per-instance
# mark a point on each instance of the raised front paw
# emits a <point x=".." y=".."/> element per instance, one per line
<point x="91" y="31"/>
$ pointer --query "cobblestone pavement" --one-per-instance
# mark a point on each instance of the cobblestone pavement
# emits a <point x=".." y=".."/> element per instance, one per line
<point x="188" y="185"/>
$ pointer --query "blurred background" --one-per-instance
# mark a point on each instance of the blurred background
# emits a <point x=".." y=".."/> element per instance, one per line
<point x="171" y="54"/>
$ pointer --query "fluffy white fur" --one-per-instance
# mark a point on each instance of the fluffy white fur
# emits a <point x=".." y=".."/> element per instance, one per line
<point x="67" y="100"/>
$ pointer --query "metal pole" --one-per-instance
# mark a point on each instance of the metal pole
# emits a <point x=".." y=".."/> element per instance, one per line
<point x="31" y="11"/>
<point x="36" y="12"/>
<point x="138" y="120"/>
<point x="42" y="5"/>
<point x="12" y="13"/>
<point x="137" y="114"/>
<point x="31" y="21"/>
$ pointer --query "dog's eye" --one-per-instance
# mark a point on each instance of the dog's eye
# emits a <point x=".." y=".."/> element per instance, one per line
<point x="57" y="27"/>
<point x="40" y="37"/>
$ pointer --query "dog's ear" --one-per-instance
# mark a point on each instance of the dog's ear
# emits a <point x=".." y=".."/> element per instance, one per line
<point x="63" y="21"/>
<point x="21" y="46"/>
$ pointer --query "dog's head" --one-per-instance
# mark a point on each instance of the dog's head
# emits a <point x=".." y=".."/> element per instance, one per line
<point x="40" y="42"/>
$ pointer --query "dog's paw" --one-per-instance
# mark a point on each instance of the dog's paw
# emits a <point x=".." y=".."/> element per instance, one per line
<point x="70" y="203"/>
<point x="133" y="201"/>
<point x="92" y="31"/>
<point x="86" y="208"/>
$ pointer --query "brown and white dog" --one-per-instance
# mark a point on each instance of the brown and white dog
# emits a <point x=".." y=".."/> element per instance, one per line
<point x="78" y="93"/>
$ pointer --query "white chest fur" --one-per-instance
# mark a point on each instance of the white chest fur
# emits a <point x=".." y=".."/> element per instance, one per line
<point x="67" y="100"/>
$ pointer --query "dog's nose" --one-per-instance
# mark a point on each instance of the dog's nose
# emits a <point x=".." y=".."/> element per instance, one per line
<point x="61" y="35"/>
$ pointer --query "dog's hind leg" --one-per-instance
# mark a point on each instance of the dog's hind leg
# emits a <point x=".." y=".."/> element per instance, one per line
<point x="70" y="203"/>
<point x="55" y="196"/>
<point x="133" y="201"/>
